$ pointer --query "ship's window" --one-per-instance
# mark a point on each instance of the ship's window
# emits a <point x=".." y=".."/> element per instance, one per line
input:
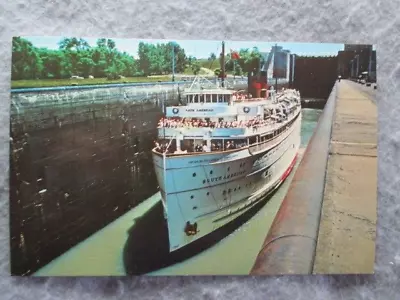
<point x="194" y="174"/>
<point x="194" y="207"/>
<point x="234" y="190"/>
<point x="208" y="98"/>
<point x="208" y="193"/>
<point x="229" y="168"/>
<point x="224" y="192"/>
<point x="195" y="98"/>
<point x="214" y="98"/>
<point x="211" y="172"/>
<point x="239" y="188"/>
<point x="229" y="191"/>
<point x="191" y="197"/>
<point x="201" y="98"/>
<point x="204" y="181"/>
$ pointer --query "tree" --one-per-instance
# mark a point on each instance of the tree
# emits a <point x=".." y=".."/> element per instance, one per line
<point x="249" y="60"/>
<point x="238" y="70"/>
<point x="52" y="61"/>
<point x="144" y="60"/>
<point x="212" y="57"/>
<point x="26" y="61"/>
<point x="76" y="57"/>
<point x="196" y="67"/>
<point x="77" y="44"/>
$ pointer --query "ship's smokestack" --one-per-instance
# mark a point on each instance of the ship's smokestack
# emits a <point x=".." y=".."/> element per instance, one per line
<point x="258" y="85"/>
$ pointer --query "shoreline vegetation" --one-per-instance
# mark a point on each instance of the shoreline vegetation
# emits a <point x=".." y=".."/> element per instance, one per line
<point x="75" y="62"/>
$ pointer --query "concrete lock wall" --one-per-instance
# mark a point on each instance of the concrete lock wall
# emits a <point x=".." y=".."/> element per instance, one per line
<point x="289" y="247"/>
<point x="79" y="159"/>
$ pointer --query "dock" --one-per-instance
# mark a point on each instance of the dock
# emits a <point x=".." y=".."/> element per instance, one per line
<point x="346" y="238"/>
<point x="327" y="221"/>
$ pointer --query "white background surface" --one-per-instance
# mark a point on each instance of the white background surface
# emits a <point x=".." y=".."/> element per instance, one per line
<point x="340" y="21"/>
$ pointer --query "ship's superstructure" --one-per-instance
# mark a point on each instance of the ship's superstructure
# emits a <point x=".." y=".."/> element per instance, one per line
<point x="220" y="154"/>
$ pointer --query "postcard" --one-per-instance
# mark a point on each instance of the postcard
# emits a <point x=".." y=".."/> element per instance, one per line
<point x="191" y="157"/>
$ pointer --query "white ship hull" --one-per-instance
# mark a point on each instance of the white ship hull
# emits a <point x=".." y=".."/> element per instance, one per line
<point x="212" y="189"/>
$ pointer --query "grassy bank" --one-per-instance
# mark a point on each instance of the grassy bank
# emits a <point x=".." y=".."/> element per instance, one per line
<point x="17" y="84"/>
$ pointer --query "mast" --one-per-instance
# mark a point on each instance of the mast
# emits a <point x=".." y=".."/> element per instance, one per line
<point x="223" y="64"/>
<point x="276" y="77"/>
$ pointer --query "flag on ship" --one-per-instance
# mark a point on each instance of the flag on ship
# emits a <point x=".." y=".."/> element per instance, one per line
<point x="234" y="55"/>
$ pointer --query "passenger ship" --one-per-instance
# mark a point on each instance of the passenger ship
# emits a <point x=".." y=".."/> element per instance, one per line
<point x="220" y="154"/>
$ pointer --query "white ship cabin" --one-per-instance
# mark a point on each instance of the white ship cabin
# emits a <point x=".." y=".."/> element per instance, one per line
<point x="220" y="120"/>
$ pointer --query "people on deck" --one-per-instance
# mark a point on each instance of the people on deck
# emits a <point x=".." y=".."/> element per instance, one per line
<point x="198" y="123"/>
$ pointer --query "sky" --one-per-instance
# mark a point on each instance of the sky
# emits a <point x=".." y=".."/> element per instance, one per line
<point x="203" y="48"/>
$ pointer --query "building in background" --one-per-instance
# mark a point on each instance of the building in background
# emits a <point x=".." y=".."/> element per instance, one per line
<point x="357" y="47"/>
<point x="357" y="61"/>
<point x="278" y="66"/>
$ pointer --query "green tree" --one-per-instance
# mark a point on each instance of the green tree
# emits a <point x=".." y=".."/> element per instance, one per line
<point x="144" y="58"/>
<point x="76" y="57"/>
<point x="99" y="61"/>
<point x="238" y="70"/>
<point x="77" y="44"/>
<point x="26" y="61"/>
<point x="52" y="61"/>
<point x="250" y="60"/>
<point x="196" y="67"/>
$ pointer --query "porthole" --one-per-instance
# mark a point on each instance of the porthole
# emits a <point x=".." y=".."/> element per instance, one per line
<point x="234" y="190"/>
<point x="194" y="174"/>
<point x="229" y="168"/>
<point x="191" y="197"/>
<point x="229" y="191"/>
<point x="208" y="193"/>
<point x="239" y="188"/>
<point x="204" y="181"/>
<point x="211" y="172"/>
<point x="224" y="192"/>
<point x="194" y="207"/>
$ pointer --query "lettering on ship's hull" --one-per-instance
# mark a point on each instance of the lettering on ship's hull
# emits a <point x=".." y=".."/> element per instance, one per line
<point x="229" y="176"/>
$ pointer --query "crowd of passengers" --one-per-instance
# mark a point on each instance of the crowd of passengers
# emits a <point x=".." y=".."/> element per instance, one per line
<point x="217" y="146"/>
<point x="198" y="123"/>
